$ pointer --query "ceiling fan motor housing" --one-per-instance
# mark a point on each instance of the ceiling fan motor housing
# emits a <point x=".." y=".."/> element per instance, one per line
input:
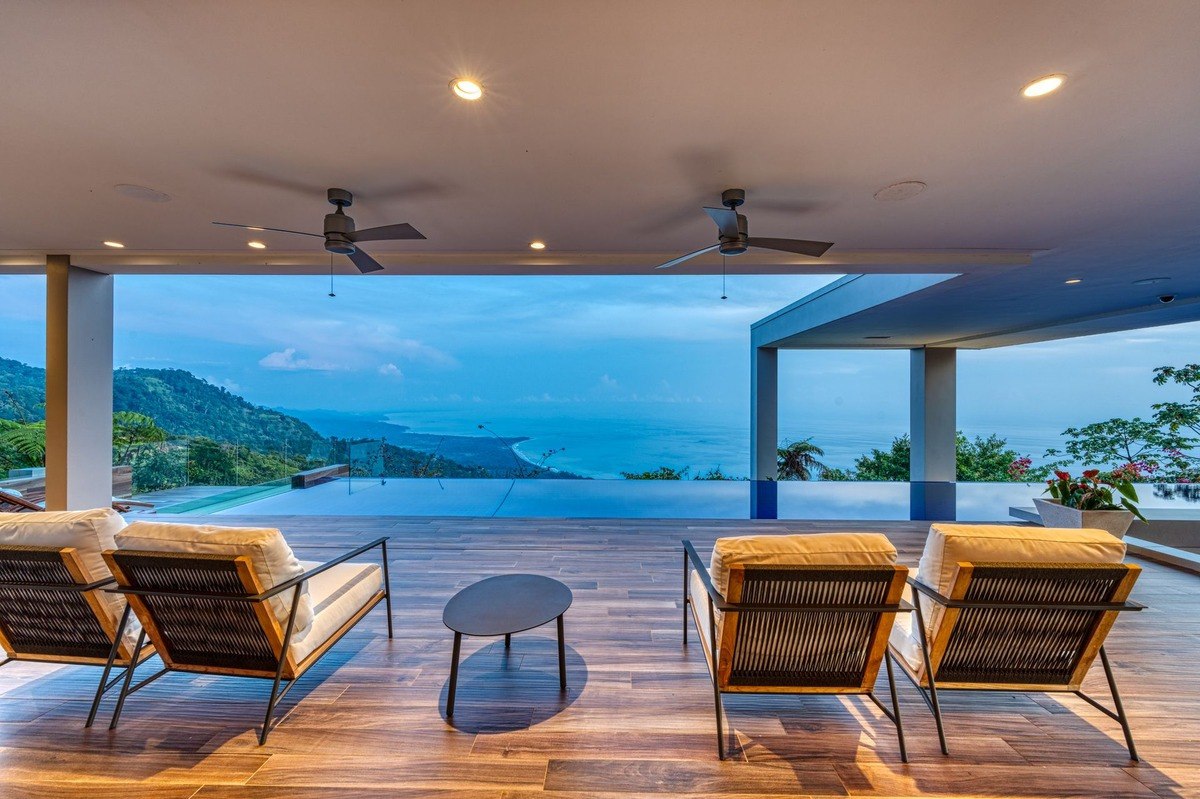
<point x="731" y="246"/>
<point x="338" y="227"/>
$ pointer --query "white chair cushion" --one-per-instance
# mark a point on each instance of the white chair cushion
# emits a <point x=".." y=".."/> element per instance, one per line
<point x="90" y="532"/>
<point x="337" y="594"/>
<point x="950" y="544"/>
<point x="270" y="556"/>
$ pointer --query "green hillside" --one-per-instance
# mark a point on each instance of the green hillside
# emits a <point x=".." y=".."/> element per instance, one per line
<point x="222" y="426"/>
<point x="188" y="406"/>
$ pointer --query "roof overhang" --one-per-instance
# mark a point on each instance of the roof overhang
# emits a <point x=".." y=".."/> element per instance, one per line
<point x="317" y="261"/>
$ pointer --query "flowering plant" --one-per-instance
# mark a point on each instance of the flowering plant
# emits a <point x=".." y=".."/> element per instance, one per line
<point x="1093" y="492"/>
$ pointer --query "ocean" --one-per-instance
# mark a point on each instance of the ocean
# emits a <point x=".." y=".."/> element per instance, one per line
<point x="601" y="441"/>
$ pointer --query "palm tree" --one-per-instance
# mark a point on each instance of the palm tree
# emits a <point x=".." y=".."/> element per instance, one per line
<point x="798" y="460"/>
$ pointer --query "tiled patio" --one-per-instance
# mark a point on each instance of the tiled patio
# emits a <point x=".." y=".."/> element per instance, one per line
<point x="368" y="721"/>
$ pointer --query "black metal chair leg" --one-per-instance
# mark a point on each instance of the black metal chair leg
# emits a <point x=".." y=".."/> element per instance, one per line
<point x="387" y="588"/>
<point x="887" y="659"/>
<point x="112" y="656"/>
<point x="686" y="599"/>
<point x="562" y="656"/>
<point x="712" y="629"/>
<point x="137" y="655"/>
<point x="932" y="697"/>
<point x="262" y="736"/>
<point x="283" y="656"/>
<point x="453" y="675"/>
<point x="1121" y="717"/>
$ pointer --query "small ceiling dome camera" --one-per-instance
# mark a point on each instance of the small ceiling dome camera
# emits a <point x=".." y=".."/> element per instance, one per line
<point x="1165" y="298"/>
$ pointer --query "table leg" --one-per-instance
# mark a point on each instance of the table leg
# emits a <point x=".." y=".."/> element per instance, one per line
<point x="453" y="674"/>
<point x="562" y="657"/>
<point x="507" y="640"/>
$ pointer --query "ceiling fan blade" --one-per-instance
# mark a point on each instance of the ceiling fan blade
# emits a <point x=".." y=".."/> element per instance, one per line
<point x="275" y="229"/>
<point x="814" y="248"/>
<point x="387" y="233"/>
<point x="688" y="257"/>
<point x="364" y="262"/>
<point x="726" y="219"/>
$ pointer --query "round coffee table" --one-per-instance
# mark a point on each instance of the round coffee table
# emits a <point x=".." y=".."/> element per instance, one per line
<point x="503" y="605"/>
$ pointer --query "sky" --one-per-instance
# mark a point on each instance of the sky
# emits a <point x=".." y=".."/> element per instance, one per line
<point x="610" y="345"/>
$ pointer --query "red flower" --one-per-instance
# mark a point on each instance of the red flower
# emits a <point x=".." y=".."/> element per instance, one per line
<point x="1091" y="474"/>
<point x="1063" y="475"/>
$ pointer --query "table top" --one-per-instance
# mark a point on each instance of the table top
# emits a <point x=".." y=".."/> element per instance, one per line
<point x="509" y="603"/>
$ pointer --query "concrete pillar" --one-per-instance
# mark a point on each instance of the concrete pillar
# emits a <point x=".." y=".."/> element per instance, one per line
<point x="932" y="430"/>
<point x="79" y="386"/>
<point x="764" y="432"/>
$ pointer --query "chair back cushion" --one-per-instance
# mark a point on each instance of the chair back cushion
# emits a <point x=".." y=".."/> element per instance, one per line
<point x="270" y="556"/>
<point x="821" y="549"/>
<point x="949" y="544"/>
<point x="90" y="532"/>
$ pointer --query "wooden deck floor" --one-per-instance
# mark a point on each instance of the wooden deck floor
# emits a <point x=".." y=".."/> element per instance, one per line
<point x="637" y="721"/>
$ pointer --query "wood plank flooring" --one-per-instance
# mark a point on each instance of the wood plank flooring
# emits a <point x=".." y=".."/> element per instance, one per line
<point x="637" y="721"/>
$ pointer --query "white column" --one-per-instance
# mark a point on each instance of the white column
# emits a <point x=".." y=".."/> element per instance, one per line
<point x="932" y="414"/>
<point x="79" y="386"/>
<point x="933" y="426"/>
<point x="764" y="432"/>
<point x="764" y="413"/>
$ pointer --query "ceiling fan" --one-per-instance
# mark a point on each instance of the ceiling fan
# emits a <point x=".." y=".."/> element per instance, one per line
<point x="340" y="235"/>
<point x="734" y="238"/>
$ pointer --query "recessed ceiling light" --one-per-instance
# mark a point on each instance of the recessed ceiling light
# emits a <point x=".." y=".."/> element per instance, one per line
<point x="466" y="88"/>
<point x="1073" y="281"/>
<point x="259" y="229"/>
<point x="1150" y="281"/>
<point x="258" y="245"/>
<point x="1043" y="86"/>
<point x="900" y="191"/>
<point x="143" y="193"/>
<point x="537" y="245"/>
<point x="118" y="245"/>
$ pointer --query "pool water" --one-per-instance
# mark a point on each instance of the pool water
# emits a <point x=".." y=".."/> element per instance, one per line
<point x="684" y="499"/>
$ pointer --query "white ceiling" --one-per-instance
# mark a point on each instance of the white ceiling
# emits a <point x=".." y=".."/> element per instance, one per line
<point x="605" y="126"/>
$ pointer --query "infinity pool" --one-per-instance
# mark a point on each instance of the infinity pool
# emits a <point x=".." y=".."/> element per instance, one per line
<point x="690" y="499"/>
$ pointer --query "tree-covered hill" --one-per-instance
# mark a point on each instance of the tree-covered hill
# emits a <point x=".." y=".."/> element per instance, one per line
<point x="221" y="426"/>
<point x="22" y="391"/>
<point x="178" y="401"/>
<point x="188" y="406"/>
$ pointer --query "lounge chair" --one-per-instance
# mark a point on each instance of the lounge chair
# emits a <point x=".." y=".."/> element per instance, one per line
<point x="1002" y="608"/>
<point x="797" y="614"/>
<point x="236" y="601"/>
<point x="53" y="606"/>
<point x="9" y="496"/>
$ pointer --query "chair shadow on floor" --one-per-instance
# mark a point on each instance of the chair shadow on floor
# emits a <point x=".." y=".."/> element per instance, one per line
<point x="987" y="733"/>
<point x="505" y="690"/>
<point x="182" y="713"/>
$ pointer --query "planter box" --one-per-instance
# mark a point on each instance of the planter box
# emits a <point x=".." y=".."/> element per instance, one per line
<point x="1055" y="515"/>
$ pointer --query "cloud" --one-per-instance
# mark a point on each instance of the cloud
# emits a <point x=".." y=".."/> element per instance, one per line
<point x="286" y="361"/>
<point x="225" y="383"/>
<point x="608" y="383"/>
<point x="391" y="370"/>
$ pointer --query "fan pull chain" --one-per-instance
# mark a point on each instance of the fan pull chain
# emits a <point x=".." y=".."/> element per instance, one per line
<point x="723" y="296"/>
<point x="331" y="294"/>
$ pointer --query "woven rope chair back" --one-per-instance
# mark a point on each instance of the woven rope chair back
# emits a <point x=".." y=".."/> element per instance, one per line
<point x="811" y="649"/>
<point x="47" y="617"/>
<point x="212" y="625"/>
<point x="1028" y="645"/>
